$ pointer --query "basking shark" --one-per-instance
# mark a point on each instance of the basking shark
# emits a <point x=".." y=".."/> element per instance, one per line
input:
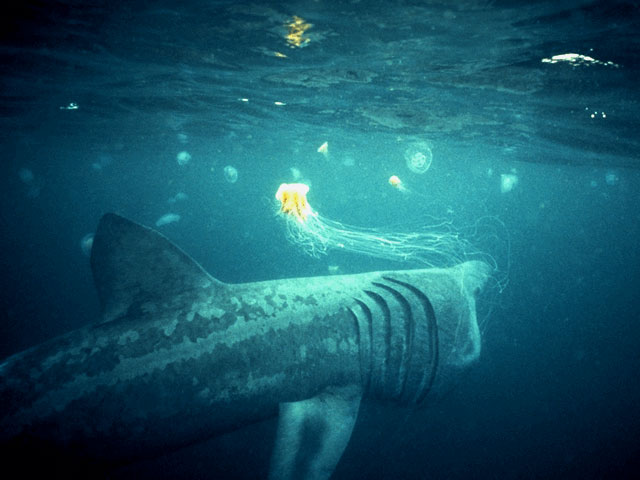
<point x="179" y="356"/>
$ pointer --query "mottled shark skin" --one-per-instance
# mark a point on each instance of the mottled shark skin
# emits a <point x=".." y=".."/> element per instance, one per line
<point x="180" y="356"/>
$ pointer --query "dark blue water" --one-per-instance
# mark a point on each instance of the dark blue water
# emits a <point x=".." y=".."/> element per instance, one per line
<point x="98" y="100"/>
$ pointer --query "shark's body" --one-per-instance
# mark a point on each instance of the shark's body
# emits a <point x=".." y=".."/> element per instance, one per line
<point x="181" y="356"/>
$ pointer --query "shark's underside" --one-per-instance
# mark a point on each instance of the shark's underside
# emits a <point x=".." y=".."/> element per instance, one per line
<point x="180" y="356"/>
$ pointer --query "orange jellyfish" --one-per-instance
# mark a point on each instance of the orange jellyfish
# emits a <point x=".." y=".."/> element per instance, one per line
<point x="435" y="245"/>
<point x="396" y="183"/>
<point x="293" y="200"/>
<point x="399" y="185"/>
<point x="324" y="149"/>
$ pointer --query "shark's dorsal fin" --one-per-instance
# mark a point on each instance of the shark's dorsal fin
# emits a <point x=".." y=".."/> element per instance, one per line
<point x="135" y="267"/>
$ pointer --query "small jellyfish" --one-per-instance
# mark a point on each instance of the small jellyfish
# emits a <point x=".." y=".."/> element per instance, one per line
<point x="183" y="157"/>
<point x="349" y="161"/>
<point x="324" y="149"/>
<point x="295" y="173"/>
<point x="418" y="157"/>
<point x="86" y="243"/>
<point x="181" y="196"/>
<point x="167" y="218"/>
<point x="399" y="185"/>
<point x="230" y="174"/>
<point x="70" y="106"/>
<point x="29" y="179"/>
<point x="26" y="176"/>
<point x="611" y="178"/>
<point x="396" y="183"/>
<point x="508" y="181"/>
<point x="178" y="197"/>
<point x="103" y="161"/>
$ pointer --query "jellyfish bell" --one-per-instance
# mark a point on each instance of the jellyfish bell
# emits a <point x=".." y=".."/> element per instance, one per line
<point x="230" y="174"/>
<point x="293" y="201"/>
<point x="395" y="181"/>
<point x="86" y="244"/>
<point x="418" y="157"/>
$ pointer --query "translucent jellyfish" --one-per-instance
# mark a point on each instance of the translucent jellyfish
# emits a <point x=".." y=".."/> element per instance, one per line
<point x="183" y="158"/>
<point x="611" y="178"/>
<point x="26" y="176"/>
<point x="86" y="243"/>
<point x="167" y="218"/>
<point x="102" y="162"/>
<point x="349" y="161"/>
<point x="508" y="181"/>
<point x="230" y="174"/>
<point x="29" y="179"/>
<point x="436" y="245"/>
<point x="418" y="157"/>
<point x="178" y="197"/>
<point x="295" y="173"/>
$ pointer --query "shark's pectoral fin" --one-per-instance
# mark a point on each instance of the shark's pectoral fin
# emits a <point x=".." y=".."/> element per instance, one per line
<point x="313" y="433"/>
